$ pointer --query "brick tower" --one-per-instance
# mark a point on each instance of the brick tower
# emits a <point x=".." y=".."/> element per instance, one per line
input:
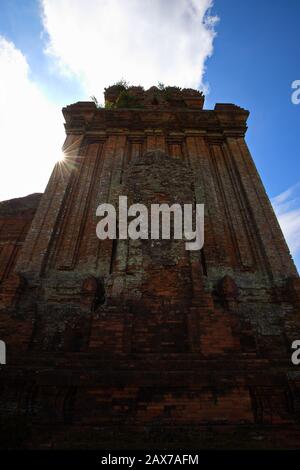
<point x="141" y="342"/>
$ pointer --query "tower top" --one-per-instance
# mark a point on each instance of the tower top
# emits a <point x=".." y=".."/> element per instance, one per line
<point x="121" y="95"/>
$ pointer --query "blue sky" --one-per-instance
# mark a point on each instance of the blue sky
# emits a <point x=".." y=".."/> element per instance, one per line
<point x="60" y="51"/>
<point x="255" y="60"/>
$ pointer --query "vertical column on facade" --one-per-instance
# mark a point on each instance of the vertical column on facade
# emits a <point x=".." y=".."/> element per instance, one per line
<point x="155" y="140"/>
<point x="240" y="246"/>
<point x="78" y="203"/>
<point x="245" y="215"/>
<point x="117" y="169"/>
<point x="270" y="240"/>
<point x="7" y="253"/>
<point x="135" y="148"/>
<point x="206" y="192"/>
<point x="118" y="257"/>
<point x="160" y="140"/>
<point x="86" y="258"/>
<point x="108" y="192"/>
<point x="104" y="247"/>
<point x="175" y="145"/>
<point x="195" y="256"/>
<point x="215" y="232"/>
<point x="42" y="231"/>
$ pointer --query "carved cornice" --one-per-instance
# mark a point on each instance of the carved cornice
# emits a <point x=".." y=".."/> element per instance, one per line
<point x="82" y="118"/>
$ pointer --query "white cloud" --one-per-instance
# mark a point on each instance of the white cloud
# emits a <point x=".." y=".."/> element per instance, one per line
<point x="98" y="42"/>
<point x="31" y="127"/>
<point x="142" y="41"/>
<point x="287" y="208"/>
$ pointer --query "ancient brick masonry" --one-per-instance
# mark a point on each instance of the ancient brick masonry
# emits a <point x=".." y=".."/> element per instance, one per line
<point x="141" y="342"/>
<point x="15" y="220"/>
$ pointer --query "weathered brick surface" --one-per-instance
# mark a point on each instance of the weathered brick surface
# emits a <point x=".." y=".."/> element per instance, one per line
<point x="144" y="338"/>
<point x="15" y="219"/>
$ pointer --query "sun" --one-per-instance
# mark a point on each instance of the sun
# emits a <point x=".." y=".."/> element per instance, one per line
<point x="61" y="157"/>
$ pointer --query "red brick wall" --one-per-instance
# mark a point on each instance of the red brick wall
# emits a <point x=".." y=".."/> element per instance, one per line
<point x="104" y="333"/>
